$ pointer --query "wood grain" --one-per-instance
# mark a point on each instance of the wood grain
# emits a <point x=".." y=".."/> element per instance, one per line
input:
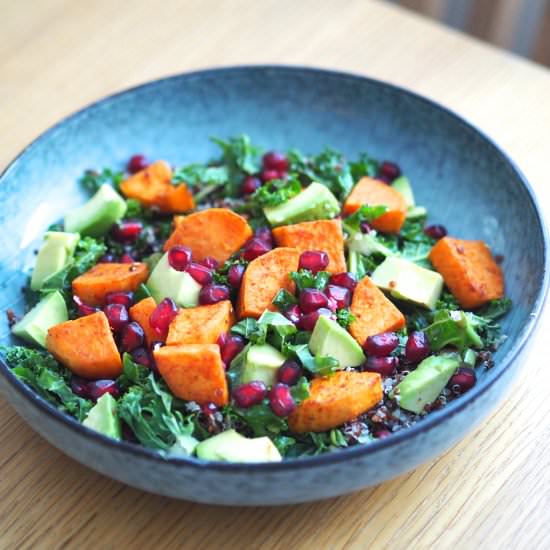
<point x="490" y="491"/>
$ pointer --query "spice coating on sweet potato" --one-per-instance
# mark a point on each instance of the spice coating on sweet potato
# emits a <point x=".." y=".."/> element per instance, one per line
<point x="469" y="270"/>
<point x="194" y="372"/>
<point x="373" y="192"/>
<point x="86" y="346"/>
<point x="334" y="400"/>
<point x="201" y="325"/>
<point x="141" y="313"/>
<point x="374" y="313"/>
<point x="263" y="278"/>
<point x="323" y="235"/>
<point x="93" y="286"/>
<point x="216" y="232"/>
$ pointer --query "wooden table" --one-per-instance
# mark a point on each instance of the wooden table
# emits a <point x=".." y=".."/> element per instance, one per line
<point x="490" y="491"/>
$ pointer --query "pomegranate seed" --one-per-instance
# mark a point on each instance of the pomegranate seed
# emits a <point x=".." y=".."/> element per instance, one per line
<point x="307" y="321"/>
<point x="462" y="380"/>
<point x="289" y="372"/>
<point x="314" y="260"/>
<point x="222" y="339"/>
<point x="235" y="275"/>
<point x="264" y="233"/>
<point x="131" y="336"/>
<point x="381" y="344"/>
<point x="312" y="299"/>
<point x="82" y="308"/>
<point x="273" y="160"/>
<point x="382" y="434"/>
<point x="365" y="227"/>
<point x="232" y="347"/>
<point x="268" y="175"/>
<point x="255" y="247"/>
<point x="209" y="409"/>
<point x="250" y="184"/>
<point x="345" y="279"/>
<point x="280" y="400"/>
<point x="142" y="357"/>
<point x="137" y="163"/>
<point x="106" y="259"/>
<point x="340" y="294"/>
<point x="127" y="231"/>
<point x="283" y="175"/>
<point x="101" y="387"/>
<point x="124" y="298"/>
<point x="435" y="231"/>
<point x="80" y="387"/>
<point x="332" y="305"/>
<point x="390" y="170"/>
<point x="127" y="259"/>
<point x="117" y="315"/>
<point x="417" y="347"/>
<point x="201" y="274"/>
<point x="212" y="294"/>
<point x="250" y="394"/>
<point x="162" y="316"/>
<point x="384" y="366"/>
<point x="179" y="257"/>
<point x="293" y="313"/>
<point x="210" y="263"/>
<point x="383" y="178"/>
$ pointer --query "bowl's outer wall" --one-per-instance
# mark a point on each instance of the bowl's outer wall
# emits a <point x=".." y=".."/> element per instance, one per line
<point x="461" y="177"/>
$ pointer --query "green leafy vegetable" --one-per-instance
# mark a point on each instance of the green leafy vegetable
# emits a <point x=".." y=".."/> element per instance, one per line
<point x="284" y="299"/>
<point x="452" y="328"/>
<point x="195" y="174"/>
<point x="495" y="309"/>
<point x="345" y="317"/>
<point x="307" y="279"/>
<point x="276" y="192"/>
<point x="366" y="213"/>
<point x="238" y="152"/>
<point x="93" y="180"/>
<point x="262" y="420"/>
<point x="221" y="274"/>
<point x="320" y="366"/>
<point x="363" y="166"/>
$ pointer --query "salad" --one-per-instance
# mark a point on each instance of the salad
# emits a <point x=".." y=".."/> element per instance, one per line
<point x="255" y="308"/>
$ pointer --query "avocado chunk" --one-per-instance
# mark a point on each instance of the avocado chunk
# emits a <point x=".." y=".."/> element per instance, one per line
<point x="97" y="216"/>
<point x="416" y="212"/>
<point x="470" y="357"/>
<point x="424" y="384"/>
<point x="315" y="202"/>
<point x="167" y="282"/>
<point x="103" y="417"/>
<point x="53" y="256"/>
<point x="262" y="363"/>
<point x="50" y="311"/>
<point x="329" y="338"/>
<point x="405" y="280"/>
<point x="403" y="186"/>
<point x="367" y="244"/>
<point x="231" y="446"/>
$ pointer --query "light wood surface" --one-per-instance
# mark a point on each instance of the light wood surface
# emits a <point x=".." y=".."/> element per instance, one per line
<point x="490" y="491"/>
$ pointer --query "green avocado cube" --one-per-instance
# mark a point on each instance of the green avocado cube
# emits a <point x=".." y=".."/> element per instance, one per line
<point x="103" y="417"/>
<point x="262" y="363"/>
<point x="403" y="186"/>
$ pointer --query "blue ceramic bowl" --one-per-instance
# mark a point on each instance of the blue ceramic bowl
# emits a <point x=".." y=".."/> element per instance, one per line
<point x="464" y="179"/>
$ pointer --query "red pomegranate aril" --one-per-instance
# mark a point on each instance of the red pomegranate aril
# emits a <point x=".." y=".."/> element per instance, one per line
<point x="289" y="372"/>
<point x="384" y="366"/>
<point x="179" y="257"/>
<point x="389" y="170"/>
<point x="435" y="231"/>
<point x="308" y="320"/>
<point x="264" y="233"/>
<point x="250" y="394"/>
<point x="209" y="409"/>
<point x="131" y="336"/>
<point x="381" y="344"/>
<point x="127" y="231"/>
<point x="314" y="260"/>
<point x="106" y="259"/>
<point x="212" y="294"/>
<point x="80" y="386"/>
<point x="332" y="304"/>
<point x="268" y="175"/>
<point x="365" y="227"/>
<point x="137" y="163"/>
<point x="82" y="308"/>
<point x="340" y="294"/>
<point x="101" y="387"/>
<point x="141" y="356"/>
<point x="250" y="184"/>
<point x="345" y="279"/>
<point x="162" y="316"/>
<point x="124" y="298"/>
<point x="210" y="263"/>
<point x="127" y="259"/>
<point x="382" y="434"/>
<point x="222" y="339"/>
<point x="201" y="274"/>
<point x="383" y="178"/>
<point x="235" y="274"/>
<point x="255" y="247"/>
<point x="417" y="347"/>
<point x="233" y="346"/>
<point x="462" y="380"/>
<point x="312" y="299"/>
<point x="117" y="315"/>
<point x="293" y="313"/>
<point x="280" y="400"/>
<point x="273" y="160"/>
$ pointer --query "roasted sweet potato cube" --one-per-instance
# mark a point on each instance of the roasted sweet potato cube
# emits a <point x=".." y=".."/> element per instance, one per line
<point x="86" y="346"/>
<point x="216" y="232"/>
<point x="141" y="313"/>
<point x="323" y="235"/>
<point x="201" y="325"/>
<point x="93" y="286"/>
<point x="373" y="192"/>
<point x="469" y="270"/>
<point x="334" y="400"/>
<point x="194" y="372"/>
<point x="374" y="313"/>
<point x="263" y="278"/>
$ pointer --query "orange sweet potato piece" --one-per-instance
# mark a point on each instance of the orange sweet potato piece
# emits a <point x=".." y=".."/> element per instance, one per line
<point x="373" y="312"/>
<point x="216" y="232"/>
<point x="323" y="235"/>
<point x="201" y="325"/>
<point x="336" y="399"/>
<point x="374" y="192"/>
<point x="93" y="286"/>
<point x="86" y="346"/>
<point x="194" y="372"/>
<point x="152" y="187"/>
<point x="141" y="313"/>
<point x="263" y="278"/>
<point x="469" y="270"/>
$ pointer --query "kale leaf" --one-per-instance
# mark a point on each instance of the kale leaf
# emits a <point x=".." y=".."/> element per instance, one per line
<point x="345" y="317"/>
<point x="93" y="180"/>
<point x="276" y="192"/>
<point x="307" y="279"/>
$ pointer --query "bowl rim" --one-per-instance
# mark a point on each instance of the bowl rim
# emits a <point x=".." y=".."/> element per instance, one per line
<point x="349" y="453"/>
